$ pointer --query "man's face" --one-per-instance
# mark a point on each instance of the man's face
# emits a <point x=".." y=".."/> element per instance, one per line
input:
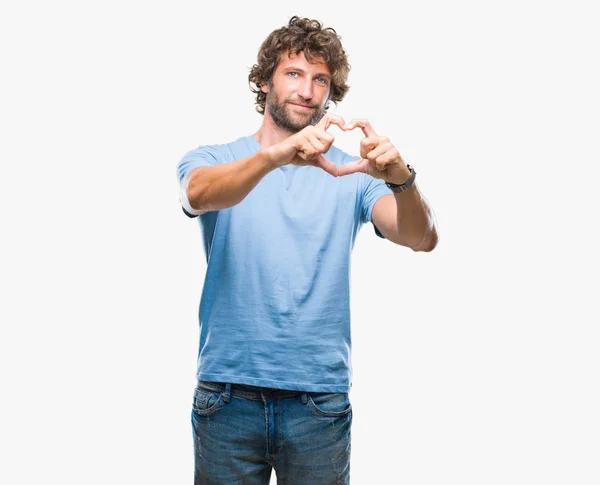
<point x="298" y="92"/>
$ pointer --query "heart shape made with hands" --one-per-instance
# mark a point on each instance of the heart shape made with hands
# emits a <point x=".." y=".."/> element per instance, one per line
<point x="379" y="158"/>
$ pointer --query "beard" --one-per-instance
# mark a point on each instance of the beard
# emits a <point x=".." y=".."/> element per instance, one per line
<point x="292" y="122"/>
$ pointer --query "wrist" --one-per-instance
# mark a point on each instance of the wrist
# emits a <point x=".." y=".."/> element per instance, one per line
<point x="269" y="158"/>
<point x="408" y="182"/>
<point x="400" y="178"/>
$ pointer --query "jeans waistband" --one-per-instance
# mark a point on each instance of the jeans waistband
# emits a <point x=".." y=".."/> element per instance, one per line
<point x="250" y="392"/>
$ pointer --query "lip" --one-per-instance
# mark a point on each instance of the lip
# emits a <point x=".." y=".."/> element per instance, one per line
<point x="301" y="106"/>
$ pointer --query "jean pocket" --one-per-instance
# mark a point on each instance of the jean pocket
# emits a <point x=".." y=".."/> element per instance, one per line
<point x="206" y="401"/>
<point x="330" y="403"/>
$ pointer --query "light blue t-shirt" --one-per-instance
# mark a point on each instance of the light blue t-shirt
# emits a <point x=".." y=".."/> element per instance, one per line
<point x="275" y="307"/>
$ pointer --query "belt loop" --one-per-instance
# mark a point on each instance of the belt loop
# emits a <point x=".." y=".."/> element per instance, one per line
<point x="227" y="393"/>
<point x="304" y="398"/>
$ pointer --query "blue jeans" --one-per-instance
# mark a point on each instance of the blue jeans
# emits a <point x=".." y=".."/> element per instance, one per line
<point x="242" y="432"/>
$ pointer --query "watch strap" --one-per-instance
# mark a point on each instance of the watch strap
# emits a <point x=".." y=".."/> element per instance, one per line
<point x="406" y="185"/>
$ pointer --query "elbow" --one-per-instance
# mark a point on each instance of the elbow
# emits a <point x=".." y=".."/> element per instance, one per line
<point x="195" y="198"/>
<point x="429" y="242"/>
<point x="189" y="196"/>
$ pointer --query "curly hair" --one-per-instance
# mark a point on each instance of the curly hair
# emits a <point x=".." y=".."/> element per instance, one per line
<point x="301" y="35"/>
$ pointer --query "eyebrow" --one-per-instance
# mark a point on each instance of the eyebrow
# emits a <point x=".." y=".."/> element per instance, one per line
<point x="294" y="68"/>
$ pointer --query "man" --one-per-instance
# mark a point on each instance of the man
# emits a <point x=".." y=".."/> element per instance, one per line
<point x="280" y="211"/>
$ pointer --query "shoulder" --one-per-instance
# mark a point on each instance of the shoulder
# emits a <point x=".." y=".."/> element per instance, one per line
<point x="222" y="152"/>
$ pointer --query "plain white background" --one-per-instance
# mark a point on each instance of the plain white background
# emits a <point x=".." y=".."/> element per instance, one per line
<point x="474" y="364"/>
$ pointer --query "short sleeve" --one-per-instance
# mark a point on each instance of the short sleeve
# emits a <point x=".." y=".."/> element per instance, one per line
<point x="204" y="156"/>
<point x="373" y="190"/>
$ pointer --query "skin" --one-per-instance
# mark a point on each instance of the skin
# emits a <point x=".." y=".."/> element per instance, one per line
<point x="288" y="134"/>
<point x="294" y="131"/>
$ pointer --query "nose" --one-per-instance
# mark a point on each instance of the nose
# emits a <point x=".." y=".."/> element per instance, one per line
<point x="305" y="89"/>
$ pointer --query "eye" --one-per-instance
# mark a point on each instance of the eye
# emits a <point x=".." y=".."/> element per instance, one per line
<point x="322" y="80"/>
<point x="292" y="73"/>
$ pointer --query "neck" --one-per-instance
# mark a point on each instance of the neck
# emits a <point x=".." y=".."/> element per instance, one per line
<point x="269" y="133"/>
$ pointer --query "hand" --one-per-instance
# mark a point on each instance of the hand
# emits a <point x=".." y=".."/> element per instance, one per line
<point x="380" y="159"/>
<point x="308" y="145"/>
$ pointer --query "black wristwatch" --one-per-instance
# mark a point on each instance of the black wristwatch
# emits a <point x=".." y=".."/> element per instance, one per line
<point x="406" y="185"/>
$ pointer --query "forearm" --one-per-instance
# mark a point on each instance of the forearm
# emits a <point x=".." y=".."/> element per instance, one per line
<point x="414" y="220"/>
<point x="225" y="185"/>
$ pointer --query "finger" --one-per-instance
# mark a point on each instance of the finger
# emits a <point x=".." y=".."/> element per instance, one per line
<point x="354" y="167"/>
<point x="325" y="138"/>
<point x="383" y="161"/>
<point x="327" y="165"/>
<point x="331" y="119"/>
<point x="311" y="147"/>
<point x="305" y="149"/>
<point x="316" y="143"/>
<point x="368" y="144"/>
<point x="380" y="165"/>
<point x="364" y="125"/>
<point x="379" y="150"/>
<point x="308" y="145"/>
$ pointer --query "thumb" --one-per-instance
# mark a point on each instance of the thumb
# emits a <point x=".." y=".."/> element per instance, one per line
<point x="353" y="167"/>
<point x="327" y="165"/>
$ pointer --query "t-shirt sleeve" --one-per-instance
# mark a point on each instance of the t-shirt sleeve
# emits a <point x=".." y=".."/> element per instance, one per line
<point x="204" y="156"/>
<point x="373" y="190"/>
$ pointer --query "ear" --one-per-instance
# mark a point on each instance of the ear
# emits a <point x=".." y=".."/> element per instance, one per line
<point x="264" y="87"/>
